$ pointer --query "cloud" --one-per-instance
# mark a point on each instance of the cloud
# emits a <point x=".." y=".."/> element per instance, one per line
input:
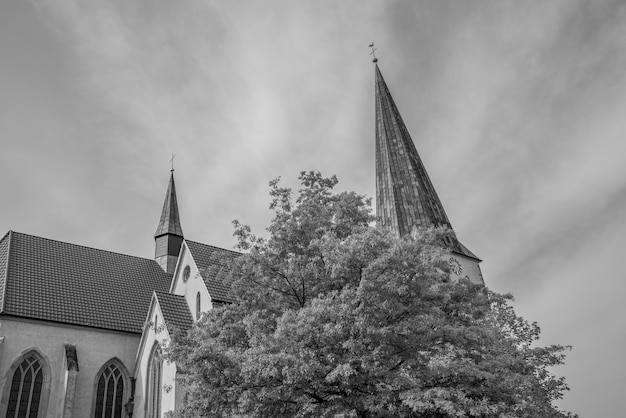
<point x="241" y="93"/>
<point x="516" y="109"/>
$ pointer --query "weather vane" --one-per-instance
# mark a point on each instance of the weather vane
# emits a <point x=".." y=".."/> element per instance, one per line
<point x="373" y="52"/>
<point x="172" y="161"/>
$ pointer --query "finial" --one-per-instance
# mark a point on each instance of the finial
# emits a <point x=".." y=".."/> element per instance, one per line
<point x="172" y="162"/>
<point x="373" y="53"/>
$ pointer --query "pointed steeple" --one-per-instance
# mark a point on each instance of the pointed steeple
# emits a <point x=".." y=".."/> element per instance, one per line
<point x="405" y="196"/>
<point x="169" y="234"/>
<point x="170" y="220"/>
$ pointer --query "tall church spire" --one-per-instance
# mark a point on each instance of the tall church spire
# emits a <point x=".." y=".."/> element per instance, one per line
<point x="405" y="196"/>
<point x="169" y="234"/>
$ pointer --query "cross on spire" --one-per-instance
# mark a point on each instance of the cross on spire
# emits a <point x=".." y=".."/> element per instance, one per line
<point x="373" y="53"/>
<point x="172" y="161"/>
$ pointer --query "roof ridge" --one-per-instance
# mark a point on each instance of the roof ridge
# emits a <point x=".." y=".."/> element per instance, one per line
<point x="82" y="246"/>
<point x="5" y="235"/>
<point x="8" y="236"/>
<point x="158" y="292"/>
<point x="213" y="246"/>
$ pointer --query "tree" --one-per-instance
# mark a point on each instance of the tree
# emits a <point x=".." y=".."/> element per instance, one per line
<point x="339" y="319"/>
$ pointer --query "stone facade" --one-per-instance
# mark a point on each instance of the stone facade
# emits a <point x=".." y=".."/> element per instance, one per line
<point x="68" y="389"/>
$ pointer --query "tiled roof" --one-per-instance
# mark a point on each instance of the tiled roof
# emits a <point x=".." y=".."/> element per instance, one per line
<point x="465" y="251"/>
<point x="175" y="310"/>
<point x="62" y="282"/>
<point x="215" y="265"/>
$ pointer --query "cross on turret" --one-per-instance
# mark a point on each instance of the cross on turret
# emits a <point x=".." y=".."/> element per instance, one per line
<point x="172" y="161"/>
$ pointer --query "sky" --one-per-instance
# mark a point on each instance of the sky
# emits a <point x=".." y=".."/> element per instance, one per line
<point x="516" y="108"/>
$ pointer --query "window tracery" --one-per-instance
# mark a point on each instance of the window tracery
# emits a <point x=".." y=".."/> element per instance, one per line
<point x="110" y="385"/>
<point x="155" y="373"/>
<point x="28" y="385"/>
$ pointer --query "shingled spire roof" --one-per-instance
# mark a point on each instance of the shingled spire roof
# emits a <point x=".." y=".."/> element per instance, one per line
<point x="405" y="196"/>
<point x="170" y="220"/>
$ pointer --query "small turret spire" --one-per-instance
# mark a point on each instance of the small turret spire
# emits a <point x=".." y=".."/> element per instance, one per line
<point x="170" y="219"/>
<point x="169" y="233"/>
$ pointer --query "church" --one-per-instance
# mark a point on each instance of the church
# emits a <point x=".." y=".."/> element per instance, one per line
<point x="81" y="329"/>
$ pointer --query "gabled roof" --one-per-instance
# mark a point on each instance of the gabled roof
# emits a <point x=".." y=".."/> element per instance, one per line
<point x="56" y="281"/>
<point x="170" y="219"/>
<point x="215" y="266"/>
<point x="175" y="311"/>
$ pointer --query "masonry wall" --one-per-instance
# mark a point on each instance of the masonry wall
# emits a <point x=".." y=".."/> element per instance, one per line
<point x="93" y="348"/>
<point x="470" y="269"/>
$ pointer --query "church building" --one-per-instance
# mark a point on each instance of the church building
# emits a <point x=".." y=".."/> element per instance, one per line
<point x="82" y="329"/>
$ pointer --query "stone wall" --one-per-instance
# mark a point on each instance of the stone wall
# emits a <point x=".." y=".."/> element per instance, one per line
<point x="93" y="348"/>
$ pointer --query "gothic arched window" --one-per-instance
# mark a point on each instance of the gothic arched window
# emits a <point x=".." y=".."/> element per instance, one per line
<point x="109" y="399"/>
<point x="28" y="383"/>
<point x="155" y="372"/>
<point x="198" y="306"/>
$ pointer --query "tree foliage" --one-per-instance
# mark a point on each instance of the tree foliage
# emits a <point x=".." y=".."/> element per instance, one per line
<point x="338" y="319"/>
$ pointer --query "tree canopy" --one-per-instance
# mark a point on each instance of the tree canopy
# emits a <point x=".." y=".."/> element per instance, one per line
<point x="339" y="319"/>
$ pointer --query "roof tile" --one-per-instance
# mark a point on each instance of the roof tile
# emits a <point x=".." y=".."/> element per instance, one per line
<point x="175" y="310"/>
<point x="62" y="282"/>
<point x="215" y="265"/>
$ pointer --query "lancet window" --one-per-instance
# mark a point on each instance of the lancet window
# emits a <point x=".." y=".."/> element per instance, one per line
<point x="155" y="383"/>
<point x="27" y="386"/>
<point x="109" y="399"/>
